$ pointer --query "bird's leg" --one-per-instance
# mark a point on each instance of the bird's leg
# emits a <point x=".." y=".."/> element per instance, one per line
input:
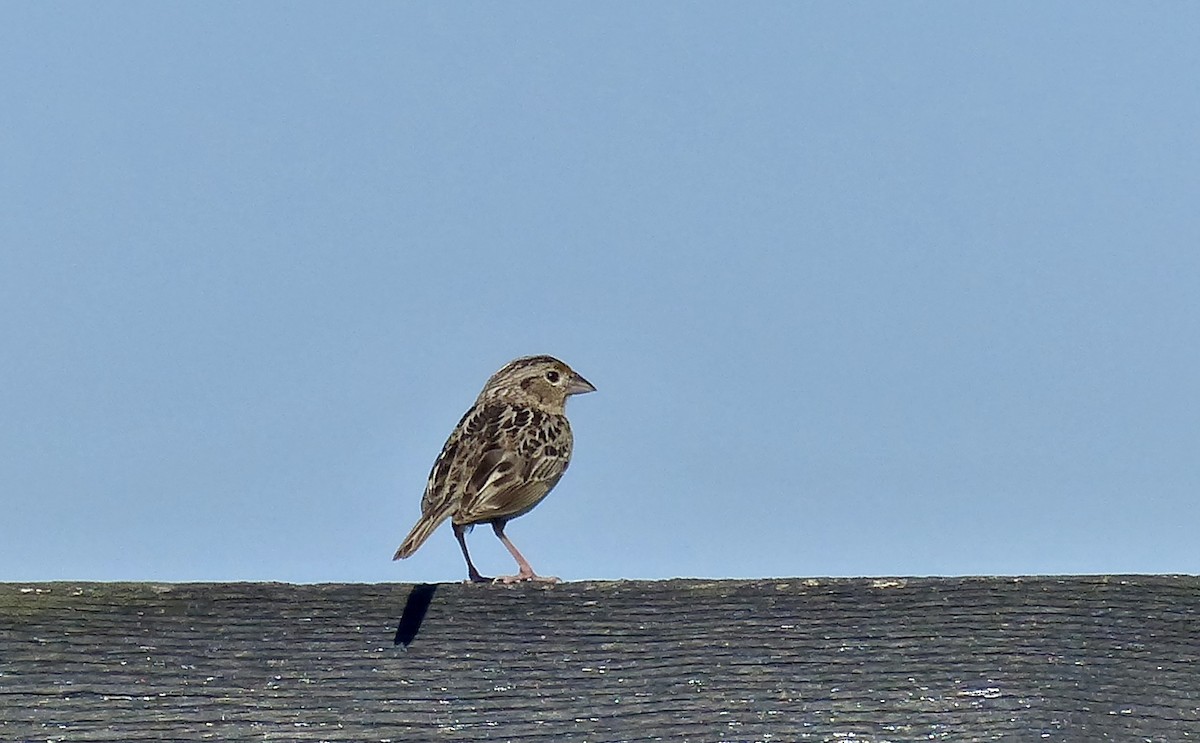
<point x="526" y="572"/>
<point x="460" y="533"/>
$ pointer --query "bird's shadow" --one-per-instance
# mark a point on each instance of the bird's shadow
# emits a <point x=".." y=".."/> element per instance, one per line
<point x="419" y="599"/>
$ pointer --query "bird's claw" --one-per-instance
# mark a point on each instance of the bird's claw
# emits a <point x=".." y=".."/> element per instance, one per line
<point x="525" y="578"/>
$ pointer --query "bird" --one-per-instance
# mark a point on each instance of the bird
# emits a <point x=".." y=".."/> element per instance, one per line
<point x="505" y="455"/>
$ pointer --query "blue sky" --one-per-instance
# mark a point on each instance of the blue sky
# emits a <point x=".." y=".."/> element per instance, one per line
<point x="866" y="288"/>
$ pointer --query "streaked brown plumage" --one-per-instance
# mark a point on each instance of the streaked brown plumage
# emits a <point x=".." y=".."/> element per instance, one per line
<point x="503" y="458"/>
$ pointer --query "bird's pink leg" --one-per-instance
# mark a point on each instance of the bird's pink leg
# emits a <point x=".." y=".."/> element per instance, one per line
<point x="526" y="572"/>
<point x="460" y="533"/>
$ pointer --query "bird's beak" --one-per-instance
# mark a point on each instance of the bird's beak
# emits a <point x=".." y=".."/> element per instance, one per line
<point x="578" y="385"/>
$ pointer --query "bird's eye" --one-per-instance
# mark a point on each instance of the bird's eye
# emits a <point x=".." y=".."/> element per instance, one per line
<point x="552" y="376"/>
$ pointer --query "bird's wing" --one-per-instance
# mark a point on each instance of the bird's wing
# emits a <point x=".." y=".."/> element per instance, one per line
<point x="499" y="462"/>
<point x="475" y="434"/>
<point x="449" y="482"/>
<point x="442" y="488"/>
<point x="507" y="484"/>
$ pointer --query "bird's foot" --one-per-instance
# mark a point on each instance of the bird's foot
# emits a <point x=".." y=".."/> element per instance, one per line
<point x="475" y="577"/>
<point x="524" y="577"/>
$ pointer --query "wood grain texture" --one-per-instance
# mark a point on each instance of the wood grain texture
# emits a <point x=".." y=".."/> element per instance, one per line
<point x="954" y="659"/>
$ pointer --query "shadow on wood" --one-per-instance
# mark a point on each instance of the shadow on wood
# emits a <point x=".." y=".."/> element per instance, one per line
<point x="415" y="608"/>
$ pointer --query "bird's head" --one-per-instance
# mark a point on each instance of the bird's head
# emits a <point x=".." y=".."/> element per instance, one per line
<point x="538" y="381"/>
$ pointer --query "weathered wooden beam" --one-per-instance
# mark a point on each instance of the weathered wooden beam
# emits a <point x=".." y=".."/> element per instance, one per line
<point x="963" y="659"/>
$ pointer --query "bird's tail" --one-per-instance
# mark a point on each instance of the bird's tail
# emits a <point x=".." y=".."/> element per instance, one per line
<point x="420" y="532"/>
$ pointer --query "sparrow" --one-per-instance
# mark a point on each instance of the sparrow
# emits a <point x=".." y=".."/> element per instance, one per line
<point x="505" y="455"/>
